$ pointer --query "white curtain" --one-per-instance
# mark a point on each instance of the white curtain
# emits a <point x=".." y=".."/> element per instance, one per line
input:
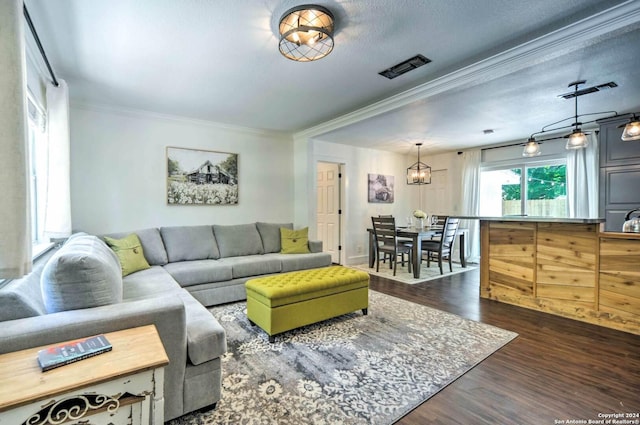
<point x="470" y="201"/>
<point x="582" y="180"/>
<point x="15" y="224"/>
<point x="57" y="220"/>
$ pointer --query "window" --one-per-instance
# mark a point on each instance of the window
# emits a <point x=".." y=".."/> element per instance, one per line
<point x="542" y="192"/>
<point x="38" y="163"/>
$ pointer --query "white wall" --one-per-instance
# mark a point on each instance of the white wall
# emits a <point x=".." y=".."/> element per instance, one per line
<point x="450" y="164"/>
<point x="512" y="154"/>
<point x="118" y="176"/>
<point x="357" y="211"/>
<point x="118" y="171"/>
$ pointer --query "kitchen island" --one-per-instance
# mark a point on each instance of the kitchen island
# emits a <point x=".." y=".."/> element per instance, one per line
<point x="567" y="267"/>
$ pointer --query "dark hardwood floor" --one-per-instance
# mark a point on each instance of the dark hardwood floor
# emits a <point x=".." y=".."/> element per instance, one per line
<point x="555" y="370"/>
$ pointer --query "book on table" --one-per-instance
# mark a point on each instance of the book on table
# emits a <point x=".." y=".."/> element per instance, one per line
<point x="63" y="354"/>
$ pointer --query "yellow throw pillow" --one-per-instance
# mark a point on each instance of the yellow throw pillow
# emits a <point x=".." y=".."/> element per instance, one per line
<point x="294" y="241"/>
<point x="129" y="251"/>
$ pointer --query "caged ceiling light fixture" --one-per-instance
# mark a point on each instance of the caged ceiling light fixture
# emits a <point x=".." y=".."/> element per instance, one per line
<point x="306" y="33"/>
<point x="419" y="172"/>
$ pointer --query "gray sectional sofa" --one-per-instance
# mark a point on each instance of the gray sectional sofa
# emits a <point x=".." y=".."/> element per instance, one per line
<point x="190" y="267"/>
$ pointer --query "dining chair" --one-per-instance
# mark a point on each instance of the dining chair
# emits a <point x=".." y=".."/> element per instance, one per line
<point x="384" y="231"/>
<point x="442" y="248"/>
<point x="384" y="258"/>
<point x="406" y="241"/>
<point x="440" y="220"/>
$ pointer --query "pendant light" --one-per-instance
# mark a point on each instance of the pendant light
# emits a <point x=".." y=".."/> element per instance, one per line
<point x="631" y="129"/>
<point x="419" y="173"/>
<point x="577" y="139"/>
<point x="531" y="148"/>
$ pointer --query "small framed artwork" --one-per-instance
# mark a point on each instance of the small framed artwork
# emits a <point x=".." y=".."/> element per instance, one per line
<point x="201" y="177"/>
<point x="381" y="188"/>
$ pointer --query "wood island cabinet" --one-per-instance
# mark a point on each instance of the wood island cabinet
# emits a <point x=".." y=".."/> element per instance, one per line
<point x="619" y="276"/>
<point x="563" y="267"/>
<point x="566" y="257"/>
<point x="583" y="269"/>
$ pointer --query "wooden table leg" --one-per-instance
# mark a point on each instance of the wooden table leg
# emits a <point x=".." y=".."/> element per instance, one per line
<point x="372" y="254"/>
<point x="463" y="260"/>
<point x="417" y="255"/>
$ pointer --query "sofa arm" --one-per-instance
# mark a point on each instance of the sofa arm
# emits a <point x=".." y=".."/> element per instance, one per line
<point x="315" y="246"/>
<point x="166" y="313"/>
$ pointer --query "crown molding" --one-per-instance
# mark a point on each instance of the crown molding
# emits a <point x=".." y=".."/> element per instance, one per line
<point x="541" y="49"/>
<point x="140" y="113"/>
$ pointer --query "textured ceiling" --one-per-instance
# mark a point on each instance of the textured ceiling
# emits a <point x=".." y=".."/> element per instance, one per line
<point x="219" y="61"/>
<point x="514" y="106"/>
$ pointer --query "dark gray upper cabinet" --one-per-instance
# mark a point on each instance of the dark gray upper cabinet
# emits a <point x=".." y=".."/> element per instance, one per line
<point x="613" y="151"/>
<point x="619" y="174"/>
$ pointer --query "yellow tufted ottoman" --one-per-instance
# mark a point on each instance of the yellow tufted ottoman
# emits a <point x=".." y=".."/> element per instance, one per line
<point x="287" y="301"/>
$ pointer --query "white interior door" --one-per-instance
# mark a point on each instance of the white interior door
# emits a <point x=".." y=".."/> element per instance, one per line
<point x="328" y="212"/>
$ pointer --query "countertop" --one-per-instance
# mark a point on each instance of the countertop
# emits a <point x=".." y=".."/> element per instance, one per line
<point x="537" y="219"/>
<point x="620" y="235"/>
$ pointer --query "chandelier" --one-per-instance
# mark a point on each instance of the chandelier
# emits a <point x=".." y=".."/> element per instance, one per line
<point x="419" y="172"/>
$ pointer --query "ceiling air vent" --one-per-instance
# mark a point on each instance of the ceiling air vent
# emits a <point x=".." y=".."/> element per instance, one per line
<point x="404" y="67"/>
<point x="587" y="90"/>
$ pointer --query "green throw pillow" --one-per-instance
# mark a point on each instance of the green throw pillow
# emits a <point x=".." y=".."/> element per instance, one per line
<point x="129" y="252"/>
<point x="294" y="241"/>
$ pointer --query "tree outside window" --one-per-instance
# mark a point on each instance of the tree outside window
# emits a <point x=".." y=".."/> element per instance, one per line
<point x="544" y="185"/>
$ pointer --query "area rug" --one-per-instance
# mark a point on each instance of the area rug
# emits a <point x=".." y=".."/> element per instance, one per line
<point x="353" y="369"/>
<point x="426" y="273"/>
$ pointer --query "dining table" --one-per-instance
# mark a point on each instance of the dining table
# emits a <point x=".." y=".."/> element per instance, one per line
<point x="417" y="235"/>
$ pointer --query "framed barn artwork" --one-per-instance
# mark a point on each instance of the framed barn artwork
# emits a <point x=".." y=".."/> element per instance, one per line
<point x="201" y="177"/>
<point x="381" y="188"/>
